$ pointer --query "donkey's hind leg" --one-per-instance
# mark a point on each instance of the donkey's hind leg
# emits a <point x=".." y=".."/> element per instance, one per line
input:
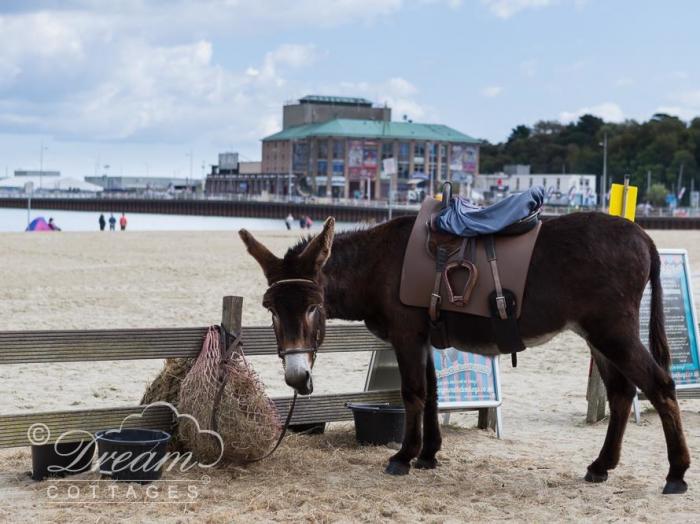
<point x="633" y="360"/>
<point x="432" y="440"/>
<point x="620" y="394"/>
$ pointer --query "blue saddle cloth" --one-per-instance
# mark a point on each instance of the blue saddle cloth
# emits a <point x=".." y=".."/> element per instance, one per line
<point x="466" y="220"/>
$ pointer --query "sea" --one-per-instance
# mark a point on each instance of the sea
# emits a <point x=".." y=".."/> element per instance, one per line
<point x="15" y="220"/>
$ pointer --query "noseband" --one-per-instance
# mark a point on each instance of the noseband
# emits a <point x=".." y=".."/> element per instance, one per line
<point x="281" y="352"/>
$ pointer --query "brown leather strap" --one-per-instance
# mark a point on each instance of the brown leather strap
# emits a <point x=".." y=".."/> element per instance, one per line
<point x="490" y="247"/>
<point x="441" y="258"/>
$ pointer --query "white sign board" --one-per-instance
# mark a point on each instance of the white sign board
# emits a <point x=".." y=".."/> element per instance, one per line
<point x="389" y="166"/>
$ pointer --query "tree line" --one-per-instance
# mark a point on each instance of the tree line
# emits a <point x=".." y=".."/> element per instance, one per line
<point x="664" y="146"/>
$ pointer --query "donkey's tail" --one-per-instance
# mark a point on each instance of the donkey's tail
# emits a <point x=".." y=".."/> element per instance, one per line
<point x="658" y="344"/>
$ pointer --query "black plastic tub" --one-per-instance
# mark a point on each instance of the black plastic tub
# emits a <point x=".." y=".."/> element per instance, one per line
<point x="64" y="458"/>
<point x="378" y="423"/>
<point x="132" y="455"/>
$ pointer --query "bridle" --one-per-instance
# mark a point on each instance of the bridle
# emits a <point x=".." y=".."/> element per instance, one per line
<point x="313" y="350"/>
<point x="284" y="352"/>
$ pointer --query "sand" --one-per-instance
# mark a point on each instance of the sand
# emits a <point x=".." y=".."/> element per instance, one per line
<point x="93" y="280"/>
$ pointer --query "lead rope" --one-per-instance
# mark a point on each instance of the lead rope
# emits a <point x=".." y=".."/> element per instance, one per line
<point x="237" y="346"/>
<point x="284" y="432"/>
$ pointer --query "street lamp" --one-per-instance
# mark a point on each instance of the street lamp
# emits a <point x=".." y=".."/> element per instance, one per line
<point x="41" y="163"/>
<point x="604" y="182"/>
<point x="187" y="180"/>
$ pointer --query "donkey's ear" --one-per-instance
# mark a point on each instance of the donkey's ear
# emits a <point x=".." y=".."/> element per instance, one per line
<point x="318" y="249"/>
<point x="259" y="252"/>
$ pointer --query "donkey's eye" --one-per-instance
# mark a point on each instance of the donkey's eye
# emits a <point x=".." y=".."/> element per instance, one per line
<point x="312" y="310"/>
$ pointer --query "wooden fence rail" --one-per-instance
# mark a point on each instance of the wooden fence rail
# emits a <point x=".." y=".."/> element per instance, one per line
<point x="34" y="347"/>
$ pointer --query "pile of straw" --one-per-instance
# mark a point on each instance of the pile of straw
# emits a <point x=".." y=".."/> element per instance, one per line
<point x="166" y="386"/>
<point x="225" y="395"/>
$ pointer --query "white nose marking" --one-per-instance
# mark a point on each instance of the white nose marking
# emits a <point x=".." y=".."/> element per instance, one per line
<point x="296" y="366"/>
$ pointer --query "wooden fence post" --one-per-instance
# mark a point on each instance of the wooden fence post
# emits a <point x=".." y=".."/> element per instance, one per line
<point x="232" y="315"/>
<point x="596" y="396"/>
<point x="487" y="418"/>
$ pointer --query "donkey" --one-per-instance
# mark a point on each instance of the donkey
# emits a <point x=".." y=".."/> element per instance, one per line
<point x="588" y="272"/>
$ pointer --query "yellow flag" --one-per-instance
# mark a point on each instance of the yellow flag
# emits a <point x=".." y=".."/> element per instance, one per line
<point x="616" y="204"/>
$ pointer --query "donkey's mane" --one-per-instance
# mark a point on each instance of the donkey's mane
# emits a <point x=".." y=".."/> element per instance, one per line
<point x="346" y="244"/>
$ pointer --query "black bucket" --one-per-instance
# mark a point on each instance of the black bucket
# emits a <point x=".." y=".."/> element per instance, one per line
<point x="378" y="423"/>
<point x="132" y="455"/>
<point x="61" y="459"/>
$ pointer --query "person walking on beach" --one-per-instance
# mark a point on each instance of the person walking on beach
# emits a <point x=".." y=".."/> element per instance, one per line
<point x="302" y="221"/>
<point x="102" y="222"/>
<point x="288" y="221"/>
<point x="309" y="222"/>
<point x="112" y="221"/>
<point x="122" y="222"/>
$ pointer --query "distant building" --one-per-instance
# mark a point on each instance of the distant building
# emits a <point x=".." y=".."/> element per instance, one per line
<point x="41" y="184"/>
<point x="314" y="109"/>
<point x="335" y="147"/>
<point x="232" y="176"/>
<point x="135" y="184"/>
<point x="37" y="173"/>
<point x="561" y="188"/>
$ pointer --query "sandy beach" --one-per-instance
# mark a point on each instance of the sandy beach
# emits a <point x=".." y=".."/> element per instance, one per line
<point x="141" y="279"/>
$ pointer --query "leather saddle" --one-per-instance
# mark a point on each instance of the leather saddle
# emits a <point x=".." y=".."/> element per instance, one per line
<point x="473" y="261"/>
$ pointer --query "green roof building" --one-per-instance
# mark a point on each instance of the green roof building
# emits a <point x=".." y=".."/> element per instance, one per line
<point x="345" y="148"/>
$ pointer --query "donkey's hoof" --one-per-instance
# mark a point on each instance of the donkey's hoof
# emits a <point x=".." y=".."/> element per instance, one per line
<point x="423" y="463"/>
<point x="675" y="487"/>
<point x="595" y="477"/>
<point x="394" y="467"/>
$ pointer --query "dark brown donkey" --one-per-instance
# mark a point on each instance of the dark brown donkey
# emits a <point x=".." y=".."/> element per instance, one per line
<point x="587" y="274"/>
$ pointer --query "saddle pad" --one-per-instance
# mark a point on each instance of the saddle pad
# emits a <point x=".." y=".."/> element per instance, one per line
<point x="462" y="219"/>
<point x="418" y="272"/>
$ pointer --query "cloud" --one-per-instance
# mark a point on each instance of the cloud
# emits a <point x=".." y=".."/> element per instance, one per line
<point x="286" y="55"/>
<point x="397" y="92"/>
<point x="685" y="104"/>
<point x="491" y="91"/>
<point x="684" y="113"/>
<point x="508" y="8"/>
<point x="608" y="111"/>
<point x="143" y="71"/>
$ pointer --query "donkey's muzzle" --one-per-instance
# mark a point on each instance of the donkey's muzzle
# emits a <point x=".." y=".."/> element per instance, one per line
<point x="297" y="373"/>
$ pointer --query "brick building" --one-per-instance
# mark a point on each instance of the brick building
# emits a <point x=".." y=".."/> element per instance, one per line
<point x="335" y="147"/>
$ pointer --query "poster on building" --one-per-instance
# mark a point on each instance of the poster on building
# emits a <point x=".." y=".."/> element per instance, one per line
<point x="464" y="158"/>
<point x="466" y="379"/>
<point x="680" y="316"/>
<point x="369" y="157"/>
<point x="300" y="157"/>
<point x="355" y="156"/>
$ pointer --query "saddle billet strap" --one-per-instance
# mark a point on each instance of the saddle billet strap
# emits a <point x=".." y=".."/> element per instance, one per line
<point x="441" y="258"/>
<point x="490" y="247"/>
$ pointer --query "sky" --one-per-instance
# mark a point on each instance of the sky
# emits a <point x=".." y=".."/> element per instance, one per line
<point x="159" y="87"/>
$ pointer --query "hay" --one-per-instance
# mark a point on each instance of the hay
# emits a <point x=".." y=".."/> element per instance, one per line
<point x="226" y="396"/>
<point x="166" y="386"/>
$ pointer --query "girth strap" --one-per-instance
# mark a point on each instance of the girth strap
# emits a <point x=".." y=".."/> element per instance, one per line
<point x="490" y="247"/>
<point x="503" y="307"/>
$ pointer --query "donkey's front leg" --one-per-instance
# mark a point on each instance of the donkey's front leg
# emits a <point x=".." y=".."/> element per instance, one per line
<point x="412" y="366"/>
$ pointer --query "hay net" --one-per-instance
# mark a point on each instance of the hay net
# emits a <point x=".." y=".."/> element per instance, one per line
<point x="225" y="395"/>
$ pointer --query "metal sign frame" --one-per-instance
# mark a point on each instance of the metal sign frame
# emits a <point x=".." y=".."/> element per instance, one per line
<point x="694" y="331"/>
